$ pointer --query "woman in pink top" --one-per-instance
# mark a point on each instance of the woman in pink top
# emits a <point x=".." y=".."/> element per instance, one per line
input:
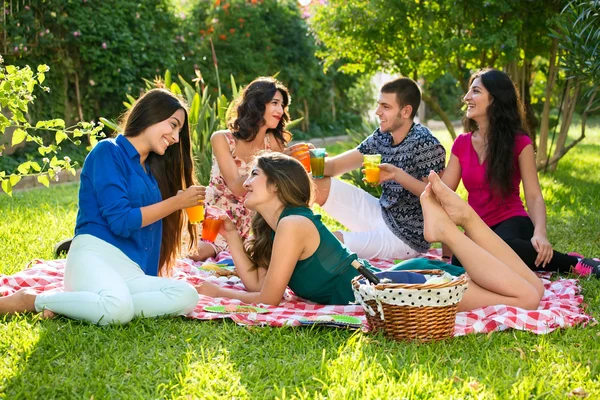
<point x="492" y="159"/>
<point x="257" y="124"/>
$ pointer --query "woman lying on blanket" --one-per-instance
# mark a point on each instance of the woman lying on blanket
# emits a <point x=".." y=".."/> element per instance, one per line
<point x="292" y="247"/>
<point x="258" y="124"/>
<point x="129" y="223"/>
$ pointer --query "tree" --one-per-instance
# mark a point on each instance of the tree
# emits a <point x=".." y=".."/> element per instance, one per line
<point x="424" y="39"/>
<point x="577" y="35"/>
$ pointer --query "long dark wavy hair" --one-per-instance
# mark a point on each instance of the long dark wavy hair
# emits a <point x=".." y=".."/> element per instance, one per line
<point x="173" y="171"/>
<point x="294" y="189"/>
<point x="248" y="116"/>
<point x="506" y="117"/>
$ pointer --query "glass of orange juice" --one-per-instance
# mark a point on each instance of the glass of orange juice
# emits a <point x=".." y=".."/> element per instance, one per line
<point x="371" y="164"/>
<point x="195" y="214"/>
<point x="301" y="154"/>
<point x="212" y="223"/>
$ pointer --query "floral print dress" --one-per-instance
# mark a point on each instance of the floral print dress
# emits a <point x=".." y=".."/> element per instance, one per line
<point x="219" y="195"/>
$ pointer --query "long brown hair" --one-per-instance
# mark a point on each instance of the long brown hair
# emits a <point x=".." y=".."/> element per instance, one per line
<point x="173" y="171"/>
<point x="506" y="116"/>
<point x="294" y="189"/>
<point x="248" y="116"/>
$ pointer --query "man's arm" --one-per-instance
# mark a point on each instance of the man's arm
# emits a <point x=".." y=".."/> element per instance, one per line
<point x="340" y="164"/>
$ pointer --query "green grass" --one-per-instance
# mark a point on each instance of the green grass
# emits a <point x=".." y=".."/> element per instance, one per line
<point x="180" y="358"/>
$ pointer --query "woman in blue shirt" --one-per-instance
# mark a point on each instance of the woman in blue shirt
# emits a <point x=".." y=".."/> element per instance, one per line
<point x="129" y="223"/>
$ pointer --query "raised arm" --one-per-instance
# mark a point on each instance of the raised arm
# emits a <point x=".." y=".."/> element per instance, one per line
<point x="288" y="247"/>
<point x="229" y="170"/>
<point x="116" y="202"/>
<point x="340" y="164"/>
<point x="535" y="205"/>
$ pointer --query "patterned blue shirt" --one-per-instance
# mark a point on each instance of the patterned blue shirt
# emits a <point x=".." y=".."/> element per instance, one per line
<point x="114" y="187"/>
<point x="417" y="154"/>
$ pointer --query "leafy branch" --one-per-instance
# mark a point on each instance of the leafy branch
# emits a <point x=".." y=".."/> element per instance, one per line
<point x="16" y="94"/>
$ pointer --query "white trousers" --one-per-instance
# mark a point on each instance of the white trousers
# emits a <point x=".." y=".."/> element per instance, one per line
<point x="103" y="286"/>
<point x="360" y="212"/>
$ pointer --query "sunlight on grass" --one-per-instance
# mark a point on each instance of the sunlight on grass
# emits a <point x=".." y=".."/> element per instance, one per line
<point x="183" y="358"/>
<point x="209" y="374"/>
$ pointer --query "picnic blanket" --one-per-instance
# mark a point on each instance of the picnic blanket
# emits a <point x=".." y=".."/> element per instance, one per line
<point x="561" y="307"/>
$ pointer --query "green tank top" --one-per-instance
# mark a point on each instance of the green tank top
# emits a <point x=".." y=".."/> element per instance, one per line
<point x="324" y="277"/>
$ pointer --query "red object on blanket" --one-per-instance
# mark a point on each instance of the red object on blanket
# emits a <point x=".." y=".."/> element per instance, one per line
<point x="561" y="306"/>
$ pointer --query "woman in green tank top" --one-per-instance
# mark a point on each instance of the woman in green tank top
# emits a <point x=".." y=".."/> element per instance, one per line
<point x="291" y="246"/>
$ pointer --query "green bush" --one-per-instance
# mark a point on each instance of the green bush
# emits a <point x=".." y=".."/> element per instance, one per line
<point x="98" y="50"/>
<point x="266" y="39"/>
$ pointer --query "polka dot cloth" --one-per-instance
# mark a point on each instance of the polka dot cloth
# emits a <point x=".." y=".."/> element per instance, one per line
<point x="413" y="297"/>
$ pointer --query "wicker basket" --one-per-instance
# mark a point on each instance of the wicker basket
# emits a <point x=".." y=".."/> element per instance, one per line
<point x="414" y="312"/>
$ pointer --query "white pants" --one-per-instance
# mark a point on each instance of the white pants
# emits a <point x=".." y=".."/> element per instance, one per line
<point x="103" y="286"/>
<point x="360" y="212"/>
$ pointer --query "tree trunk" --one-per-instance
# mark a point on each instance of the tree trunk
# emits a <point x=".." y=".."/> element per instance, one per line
<point x="545" y="123"/>
<point x="573" y="90"/>
<point x="438" y="110"/>
<point x="584" y="117"/>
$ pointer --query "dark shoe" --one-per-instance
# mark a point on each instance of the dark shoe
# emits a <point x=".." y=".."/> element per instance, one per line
<point x="588" y="266"/>
<point x="62" y="247"/>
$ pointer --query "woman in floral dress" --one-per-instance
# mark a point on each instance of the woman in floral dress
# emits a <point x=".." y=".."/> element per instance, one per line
<point x="257" y="125"/>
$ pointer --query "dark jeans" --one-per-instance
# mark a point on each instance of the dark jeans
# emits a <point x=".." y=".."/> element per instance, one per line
<point x="517" y="233"/>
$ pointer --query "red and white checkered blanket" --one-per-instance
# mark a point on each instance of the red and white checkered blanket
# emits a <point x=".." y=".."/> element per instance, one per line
<point x="561" y="306"/>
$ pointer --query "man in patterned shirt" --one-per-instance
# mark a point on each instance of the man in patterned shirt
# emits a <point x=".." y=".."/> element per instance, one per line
<point x="392" y="226"/>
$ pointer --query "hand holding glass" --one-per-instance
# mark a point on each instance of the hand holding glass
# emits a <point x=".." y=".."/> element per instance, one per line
<point x="317" y="162"/>
<point x="212" y="223"/>
<point x="371" y="163"/>
<point x="300" y="153"/>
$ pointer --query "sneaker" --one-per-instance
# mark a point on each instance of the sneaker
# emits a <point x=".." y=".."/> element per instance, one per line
<point x="62" y="247"/>
<point x="588" y="266"/>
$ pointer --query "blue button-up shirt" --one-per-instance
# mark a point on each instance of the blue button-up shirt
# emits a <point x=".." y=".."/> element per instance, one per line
<point x="114" y="187"/>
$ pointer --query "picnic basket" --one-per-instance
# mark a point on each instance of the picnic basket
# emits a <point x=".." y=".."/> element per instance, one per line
<point x="411" y="311"/>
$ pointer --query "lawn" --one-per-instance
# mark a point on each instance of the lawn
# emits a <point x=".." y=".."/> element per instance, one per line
<point x="181" y="358"/>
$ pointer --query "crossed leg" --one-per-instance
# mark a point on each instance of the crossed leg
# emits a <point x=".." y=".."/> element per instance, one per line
<point x="498" y="276"/>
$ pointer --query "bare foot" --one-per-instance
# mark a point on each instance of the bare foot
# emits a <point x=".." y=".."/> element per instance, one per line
<point x="21" y="301"/>
<point x="437" y="224"/>
<point x="457" y="209"/>
<point x="203" y="252"/>
<point x="47" y="314"/>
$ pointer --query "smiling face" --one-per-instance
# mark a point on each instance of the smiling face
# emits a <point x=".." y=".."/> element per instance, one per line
<point x="165" y="133"/>
<point x="392" y="117"/>
<point x="274" y="111"/>
<point x="257" y="188"/>
<point x="478" y="100"/>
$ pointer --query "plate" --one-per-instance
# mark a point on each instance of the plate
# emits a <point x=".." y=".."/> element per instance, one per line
<point x="235" y="309"/>
<point x="333" y="320"/>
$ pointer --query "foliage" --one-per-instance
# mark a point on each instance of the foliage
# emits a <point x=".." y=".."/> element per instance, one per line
<point x="269" y="38"/>
<point x="16" y="95"/>
<point x="430" y="39"/>
<point x="182" y="358"/>
<point x="98" y="48"/>
<point x="579" y="34"/>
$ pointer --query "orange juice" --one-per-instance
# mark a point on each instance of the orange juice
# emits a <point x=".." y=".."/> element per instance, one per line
<point x="372" y="175"/>
<point x="195" y="214"/>
<point x="301" y="154"/>
<point x="210" y="228"/>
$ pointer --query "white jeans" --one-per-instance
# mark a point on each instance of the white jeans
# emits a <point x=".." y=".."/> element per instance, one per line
<point x="103" y="286"/>
<point x="360" y="212"/>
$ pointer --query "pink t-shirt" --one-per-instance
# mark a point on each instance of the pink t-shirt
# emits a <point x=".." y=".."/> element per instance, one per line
<point x="491" y="210"/>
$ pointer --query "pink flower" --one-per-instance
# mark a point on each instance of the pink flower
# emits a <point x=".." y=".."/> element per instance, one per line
<point x="104" y="46"/>
<point x="27" y="8"/>
<point x="42" y="33"/>
<point x="16" y="49"/>
<point x="47" y="30"/>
